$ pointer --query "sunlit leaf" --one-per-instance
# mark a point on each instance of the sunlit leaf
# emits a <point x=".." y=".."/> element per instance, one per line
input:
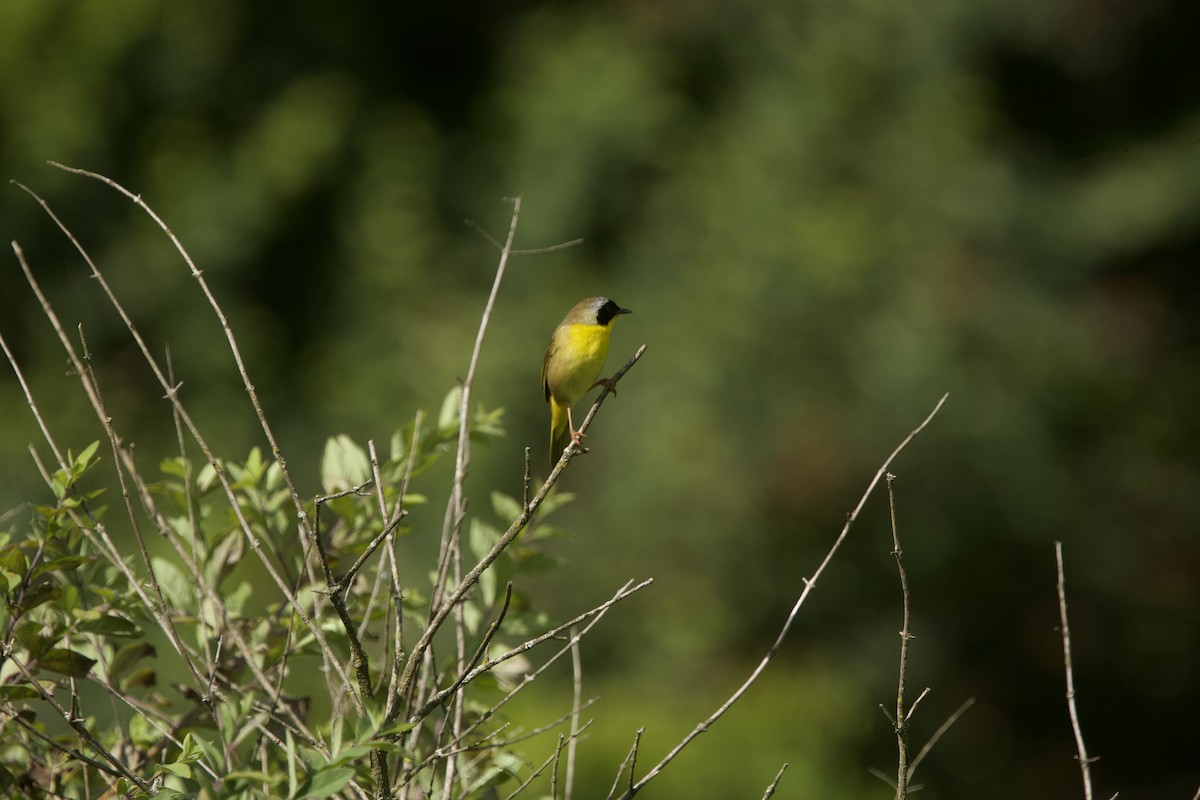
<point x="328" y="782"/>
<point x="344" y="465"/>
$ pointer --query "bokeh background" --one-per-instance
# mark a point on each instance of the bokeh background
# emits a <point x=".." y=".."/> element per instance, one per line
<point x="824" y="215"/>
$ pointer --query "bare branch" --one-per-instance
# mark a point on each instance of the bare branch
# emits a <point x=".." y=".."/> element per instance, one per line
<point x="576" y="707"/>
<point x="332" y="661"/>
<point x="945" y="726"/>
<point x="1084" y="761"/>
<point x="628" y="764"/>
<point x="596" y="614"/>
<point x="503" y="542"/>
<point x="809" y="583"/>
<point x="775" y="783"/>
<point x="77" y="724"/>
<point x="900" y="722"/>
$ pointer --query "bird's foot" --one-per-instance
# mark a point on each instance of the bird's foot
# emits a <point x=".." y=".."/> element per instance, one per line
<point x="607" y="383"/>
<point x="577" y="438"/>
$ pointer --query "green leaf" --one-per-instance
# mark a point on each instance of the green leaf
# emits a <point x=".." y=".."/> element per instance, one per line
<point x="176" y="586"/>
<point x="553" y="502"/>
<point x="142" y="732"/>
<point x="328" y="782"/>
<point x="227" y="553"/>
<point x="448" y="416"/>
<point x="482" y="537"/>
<point x="140" y="678"/>
<point x="109" y="625"/>
<point x="485" y="425"/>
<point x="36" y="637"/>
<point x="62" y="564"/>
<point x="393" y="729"/>
<point x="207" y="478"/>
<point x="252" y="777"/>
<point x="131" y="654"/>
<point x="84" y="460"/>
<point x="13" y="560"/>
<point x="175" y="467"/>
<point x="350" y="754"/>
<point x="189" y="753"/>
<point x="166" y="793"/>
<point x="43" y="592"/>
<point x="527" y="559"/>
<point x="506" y="508"/>
<point x="487" y="586"/>
<point x="344" y="465"/>
<point x="177" y="769"/>
<point x="18" y="691"/>
<point x="66" y="662"/>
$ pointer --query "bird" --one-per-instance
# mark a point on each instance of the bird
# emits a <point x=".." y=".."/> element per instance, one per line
<point x="574" y="359"/>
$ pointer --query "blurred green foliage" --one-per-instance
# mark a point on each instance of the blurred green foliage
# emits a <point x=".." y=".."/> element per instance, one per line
<point x="824" y="216"/>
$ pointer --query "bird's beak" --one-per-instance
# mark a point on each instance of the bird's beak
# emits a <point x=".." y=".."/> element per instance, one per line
<point x="624" y="311"/>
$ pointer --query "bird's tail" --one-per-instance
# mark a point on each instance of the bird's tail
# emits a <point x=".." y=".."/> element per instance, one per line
<point x="558" y="426"/>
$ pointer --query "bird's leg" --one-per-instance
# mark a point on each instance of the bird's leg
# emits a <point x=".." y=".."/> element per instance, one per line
<point x="577" y="437"/>
<point x="607" y="383"/>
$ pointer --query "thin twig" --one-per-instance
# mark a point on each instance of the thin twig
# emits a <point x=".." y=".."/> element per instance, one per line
<point x="472" y="576"/>
<point x="535" y="774"/>
<point x="945" y="726"/>
<point x="627" y="764"/>
<point x="900" y="723"/>
<point x="574" y="448"/>
<point x="536" y="251"/>
<point x="75" y="755"/>
<point x="554" y="770"/>
<point x="450" y="551"/>
<point x="527" y="482"/>
<point x="1084" y="761"/>
<point x="78" y="725"/>
<point x="87" y="379"/>
<point x="576" y="704"/>
<point x="809" y="583"/>
<point x="302" y="516"/>
<point x="462" y="457"/>
<point x="595" y="614"/>
<point x="481" y="651"/>
<point x="775" y="783"/>
<point x="332" y="661"/>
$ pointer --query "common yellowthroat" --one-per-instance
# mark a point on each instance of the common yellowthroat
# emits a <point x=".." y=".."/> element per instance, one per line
<point x="574" y="360"/>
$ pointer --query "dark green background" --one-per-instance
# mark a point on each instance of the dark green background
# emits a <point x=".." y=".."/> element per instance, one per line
<point x="824" y="214"/>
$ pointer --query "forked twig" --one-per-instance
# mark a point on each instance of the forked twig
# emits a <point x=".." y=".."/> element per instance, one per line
<point x="628" y="763"/>
<point x="945" y="726"/>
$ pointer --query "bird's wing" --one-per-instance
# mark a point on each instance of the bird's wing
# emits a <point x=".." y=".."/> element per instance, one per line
<point x="550" y="350"/>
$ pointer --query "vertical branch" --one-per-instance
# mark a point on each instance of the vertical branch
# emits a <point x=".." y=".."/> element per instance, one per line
<point x="450" y="558"/>
<point x="900" y="723"/>
<point x="456" y="507"/>
<point x="1082" y="755"/>
<point x="576" y="705"/>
